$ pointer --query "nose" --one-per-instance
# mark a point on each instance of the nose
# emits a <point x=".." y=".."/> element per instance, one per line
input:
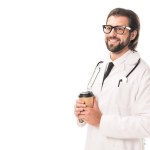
<point x="113" y="32"/>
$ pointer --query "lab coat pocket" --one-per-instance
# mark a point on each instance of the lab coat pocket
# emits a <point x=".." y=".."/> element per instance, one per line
<point x="125" y="97"/>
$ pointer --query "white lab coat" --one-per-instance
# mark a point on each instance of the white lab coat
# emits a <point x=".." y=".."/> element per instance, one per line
<point x="126" y="109"/>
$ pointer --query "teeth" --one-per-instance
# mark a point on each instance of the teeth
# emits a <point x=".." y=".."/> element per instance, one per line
<point x="113" y="40"/>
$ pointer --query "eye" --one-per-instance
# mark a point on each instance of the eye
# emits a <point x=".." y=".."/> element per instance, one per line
<point x="108" y="27"/>
<point x="119" y="28"/>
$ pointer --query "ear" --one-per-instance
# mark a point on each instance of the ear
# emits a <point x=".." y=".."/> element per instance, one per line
<point x="133" y="35"/>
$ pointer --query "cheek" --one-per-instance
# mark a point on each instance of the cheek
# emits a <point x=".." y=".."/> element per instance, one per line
<point x="106" y="37"/>
<point x="124" y="40"/>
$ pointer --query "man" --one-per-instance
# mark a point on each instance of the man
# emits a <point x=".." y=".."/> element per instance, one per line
<point x="120" y="117"/>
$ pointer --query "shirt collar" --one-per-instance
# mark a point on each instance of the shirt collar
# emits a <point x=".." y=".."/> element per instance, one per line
<point x="131" y="56"/>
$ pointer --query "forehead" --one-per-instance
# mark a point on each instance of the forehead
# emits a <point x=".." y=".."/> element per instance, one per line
<point x="118" y="21"/>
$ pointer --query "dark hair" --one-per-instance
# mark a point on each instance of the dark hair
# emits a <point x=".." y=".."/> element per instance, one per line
<point x="134" y="22"/>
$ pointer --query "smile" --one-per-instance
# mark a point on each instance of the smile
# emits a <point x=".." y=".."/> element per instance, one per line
<point x="113" y="41"/>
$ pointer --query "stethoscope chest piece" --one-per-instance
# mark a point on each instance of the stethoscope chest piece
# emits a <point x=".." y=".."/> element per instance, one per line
<point x="124" y="79"/>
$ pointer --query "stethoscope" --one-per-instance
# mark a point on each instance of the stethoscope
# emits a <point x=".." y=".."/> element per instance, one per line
<point x="94" y="75"/>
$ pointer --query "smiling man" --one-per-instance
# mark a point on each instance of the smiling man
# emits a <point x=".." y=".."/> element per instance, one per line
<point x="120" y="116"/>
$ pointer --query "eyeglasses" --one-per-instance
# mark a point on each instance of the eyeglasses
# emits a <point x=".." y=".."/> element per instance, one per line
<point x="118" y="29"/>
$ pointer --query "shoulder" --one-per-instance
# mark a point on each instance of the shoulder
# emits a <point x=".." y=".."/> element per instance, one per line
<point x="133" y="60"/>
<point x="145" y="65"/>
<point x="143" y="69"/>
<point x="143" y="72"/>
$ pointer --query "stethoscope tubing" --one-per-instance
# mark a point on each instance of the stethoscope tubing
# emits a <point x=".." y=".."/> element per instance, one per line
<point x="130" y="71"/>
<point x="89" y="88"/>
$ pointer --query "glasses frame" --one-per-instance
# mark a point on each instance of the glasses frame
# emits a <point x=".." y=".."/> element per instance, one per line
<point x="115" y="28"/>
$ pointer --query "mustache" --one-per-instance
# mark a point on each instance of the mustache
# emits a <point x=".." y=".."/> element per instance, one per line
<point x="113" y="38"/>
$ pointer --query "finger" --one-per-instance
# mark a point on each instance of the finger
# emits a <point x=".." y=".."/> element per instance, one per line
<point x="80" y="105"/>
<point x="76" y="114"/>
<point x="83" y="112"/>
<point x="79" y="101"/>
<point x="79" y="109"/>
<point x="87" y="109"/>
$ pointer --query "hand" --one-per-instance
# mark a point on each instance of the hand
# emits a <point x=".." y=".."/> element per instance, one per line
<point x="79" y="107"/>
<point x="91" y="115"/>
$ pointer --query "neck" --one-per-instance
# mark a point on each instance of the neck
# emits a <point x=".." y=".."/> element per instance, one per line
<point x="116" y="55"/>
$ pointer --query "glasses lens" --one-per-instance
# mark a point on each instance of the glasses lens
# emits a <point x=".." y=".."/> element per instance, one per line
<point x="119" y="30"/>
<point x="107" y="29"/>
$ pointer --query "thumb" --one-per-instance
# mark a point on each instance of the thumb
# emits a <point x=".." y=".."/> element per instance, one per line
<point x="95" y="103"/>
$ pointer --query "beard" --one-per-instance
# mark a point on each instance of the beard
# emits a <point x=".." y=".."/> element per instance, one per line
<point x="118" y="47"/>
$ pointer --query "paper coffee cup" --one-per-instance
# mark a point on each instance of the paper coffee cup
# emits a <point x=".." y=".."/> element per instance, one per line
<point x="87" y="97"/>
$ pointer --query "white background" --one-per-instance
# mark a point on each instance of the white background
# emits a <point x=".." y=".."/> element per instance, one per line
<point x="48" y="50"/>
